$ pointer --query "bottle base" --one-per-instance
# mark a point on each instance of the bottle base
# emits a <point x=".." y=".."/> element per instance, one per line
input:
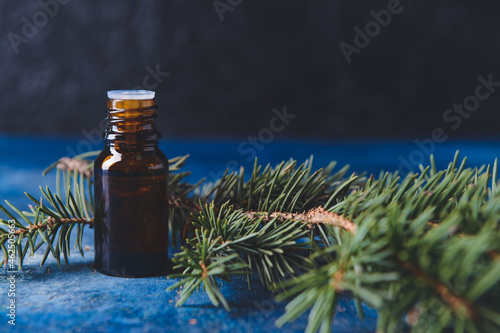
<point x="130" y="266"/>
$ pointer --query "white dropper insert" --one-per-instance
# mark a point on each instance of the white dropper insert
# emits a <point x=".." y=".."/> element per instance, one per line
<point x="131" y="94"/>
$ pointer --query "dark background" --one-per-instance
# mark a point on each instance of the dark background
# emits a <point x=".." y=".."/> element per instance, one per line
<point x="226" y="76"/>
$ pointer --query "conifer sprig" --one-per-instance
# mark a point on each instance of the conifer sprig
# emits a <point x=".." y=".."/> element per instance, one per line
<point x="271" y="247"/>
<point x="53" y="217"/>
<point x="423" y="250"/>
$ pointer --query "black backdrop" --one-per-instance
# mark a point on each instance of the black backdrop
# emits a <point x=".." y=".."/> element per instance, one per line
<point x="226" y="76"/>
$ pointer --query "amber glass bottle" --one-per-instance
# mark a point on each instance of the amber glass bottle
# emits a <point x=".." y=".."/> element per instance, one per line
<point x="131" y="190"/>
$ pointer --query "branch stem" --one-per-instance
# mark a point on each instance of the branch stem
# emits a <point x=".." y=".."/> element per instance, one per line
<point x="50" y="222"/>
<point x="314" y="216"/>
<point x="456" y="302"/>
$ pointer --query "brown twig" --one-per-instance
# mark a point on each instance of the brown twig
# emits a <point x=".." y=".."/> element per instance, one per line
<point x="493" y="255"/>
<point x="314" y="216"/>
<point x="336" y="280"/>
<point x="183" y="203"/>
<point x="49" y="223"/>
<point x="72" y="164"/>
<point x="456" y="302"/>
<point x="204" y="271"/>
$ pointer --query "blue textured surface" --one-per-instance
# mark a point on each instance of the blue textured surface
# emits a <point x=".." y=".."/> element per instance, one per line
<point x="77" y="299"/>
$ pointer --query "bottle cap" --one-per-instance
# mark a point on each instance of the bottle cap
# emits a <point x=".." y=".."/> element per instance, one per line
<point x="131" y="94"/>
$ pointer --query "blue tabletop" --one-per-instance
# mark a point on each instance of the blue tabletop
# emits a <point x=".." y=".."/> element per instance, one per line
<point x="75" y="298"/>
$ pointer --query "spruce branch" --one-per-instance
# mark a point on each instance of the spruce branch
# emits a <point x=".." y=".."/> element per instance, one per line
<point x="54" y="224"/>
<point x="422" y="250"/>
<point x="284" y="188"/>
<point x="51" y="222"/>
<point x="269" y="246"/>
<point x="204" y="260"/>
<point x="465" y="214"/>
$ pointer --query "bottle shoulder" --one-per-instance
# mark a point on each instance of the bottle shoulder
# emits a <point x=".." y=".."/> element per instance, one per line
<point x="111" y="160"/>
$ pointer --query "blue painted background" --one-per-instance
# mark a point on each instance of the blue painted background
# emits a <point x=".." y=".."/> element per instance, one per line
<point x="77" y="299"/>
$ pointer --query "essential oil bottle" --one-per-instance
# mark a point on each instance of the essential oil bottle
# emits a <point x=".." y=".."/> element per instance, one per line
<point x="131" y="190"/>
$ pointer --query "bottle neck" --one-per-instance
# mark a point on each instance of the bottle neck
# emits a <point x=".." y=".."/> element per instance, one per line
<point x="131" y="125"/>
